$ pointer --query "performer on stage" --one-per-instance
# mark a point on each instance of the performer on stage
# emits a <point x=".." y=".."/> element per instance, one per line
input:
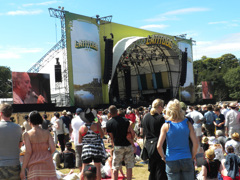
<point x="22" y="88"/>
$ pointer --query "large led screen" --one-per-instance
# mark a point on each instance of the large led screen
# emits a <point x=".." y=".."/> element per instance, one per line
<point x="86" y="63"/>
<point x="30" y="88"/>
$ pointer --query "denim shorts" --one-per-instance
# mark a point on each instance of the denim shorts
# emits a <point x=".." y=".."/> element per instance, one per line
<point x="182" y="169"/>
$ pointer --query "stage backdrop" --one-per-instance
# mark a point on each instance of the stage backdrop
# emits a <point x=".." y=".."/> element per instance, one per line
<point x="28" y="86"/>
<point x="84" y="39"/>
<point x="84" y="60"/>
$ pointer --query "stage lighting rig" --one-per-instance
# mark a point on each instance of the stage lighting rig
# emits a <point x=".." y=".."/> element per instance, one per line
<point x="103" y="20"/>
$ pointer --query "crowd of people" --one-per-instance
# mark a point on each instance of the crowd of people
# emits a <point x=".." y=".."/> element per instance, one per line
<point x="175" y="139"/>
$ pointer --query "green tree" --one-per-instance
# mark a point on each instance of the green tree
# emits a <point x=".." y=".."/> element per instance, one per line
<point x="232" y="80"/>
<point x="5" y="82"/>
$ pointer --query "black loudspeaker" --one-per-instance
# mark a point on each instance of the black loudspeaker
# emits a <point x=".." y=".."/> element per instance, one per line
<point x="184" y="69"/>
<point x="127" y="78"/>
<point x="114" y="90"/>
<point x="58" y="72"/>
<point x="108" y="60"/>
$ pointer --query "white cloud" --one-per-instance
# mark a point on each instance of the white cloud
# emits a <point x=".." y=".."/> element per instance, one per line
<point x="9" y="55"/>
<point x="160" y="18"/>
<point x="229" y="44"/>
<point x="40" y="4"/>
<point x="169" y="16"/>
<point x="16" y="52"/>
<point x="27" y="5"/>
<point x="154" y="26"/>
<point x="218" y="22"/>
<point x="18" y="12"/>
<point x="233" y="25"/>
<point x="186" y="11"/>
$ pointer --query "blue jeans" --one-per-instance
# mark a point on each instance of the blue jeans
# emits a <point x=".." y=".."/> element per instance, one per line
<point x="181" y="169"/>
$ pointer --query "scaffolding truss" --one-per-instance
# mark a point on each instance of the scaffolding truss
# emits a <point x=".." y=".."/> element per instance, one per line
<point x="60" y="47"/>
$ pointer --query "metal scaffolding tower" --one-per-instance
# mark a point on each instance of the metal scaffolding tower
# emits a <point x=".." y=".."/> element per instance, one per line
<point x="51" y="55"/>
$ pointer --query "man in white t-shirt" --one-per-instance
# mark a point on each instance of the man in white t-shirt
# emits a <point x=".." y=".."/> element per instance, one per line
<point x="232" y="121"/>
<point x="197" y="117"/>
<point x="76" y="123"/>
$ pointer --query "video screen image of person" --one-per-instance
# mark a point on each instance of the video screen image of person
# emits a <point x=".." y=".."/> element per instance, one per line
<point x="207" y="90"/>
<point x="30" y="88"/>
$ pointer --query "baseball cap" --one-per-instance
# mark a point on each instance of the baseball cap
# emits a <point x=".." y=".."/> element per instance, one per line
<point x="78" y="110"/>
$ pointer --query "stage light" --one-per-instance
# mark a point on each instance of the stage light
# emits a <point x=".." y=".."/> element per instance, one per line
<point x="62" y="8"/>
<point x="112" y="35"/>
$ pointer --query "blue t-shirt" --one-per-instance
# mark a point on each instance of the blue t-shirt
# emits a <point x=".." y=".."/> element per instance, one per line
<point x="210" y="117"/>
<point x="178" y="141"/>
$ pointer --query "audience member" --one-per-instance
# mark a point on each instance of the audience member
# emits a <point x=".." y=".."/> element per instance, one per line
<point x="46" y="123"/>
<point x="60" y="132"/>
<point x="117" y="128"/>
<point x="90" y="135"/>
<point x="197" y="117"/>
<point x="211" y="166"/>
<point x="68" y="156"/>
<point x="205" y="144"/>
<point x="232" y="121"/>
<point x="230" y="165"/>
<point x="89" y="172"/>
<point x="176" y="131"/>
<point x="221" y="139"/>
<point x="224" y="109"/>
<point x="76" y="123"/>
<point x="53" y="126"/>
<point x="152" y="123"/>
<point x="26" y="123"/>
<point x="39" y="149"/>
<point x="11" y="141"/>
<point x="219" y="121"/>
<point x="67" y="123"/>
<point x="234" y="142"/>
<point x="209" y="118"/>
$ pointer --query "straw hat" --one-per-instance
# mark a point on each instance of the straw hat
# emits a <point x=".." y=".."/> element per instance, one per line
<point x="232" y="104"/>
<point x="64" y="112"/>
<point x="210" y="154"/>
<point x="204" y="140"/>
<point x="235" y="136"/>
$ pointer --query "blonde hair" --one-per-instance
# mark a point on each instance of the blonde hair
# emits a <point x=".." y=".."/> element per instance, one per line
<point x="210" y="154"/>
<point x="156" y="104"/>
<point x="174" y="110"/>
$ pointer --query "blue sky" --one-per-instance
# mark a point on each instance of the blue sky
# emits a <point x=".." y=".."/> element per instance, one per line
<point x="27" y="31"/>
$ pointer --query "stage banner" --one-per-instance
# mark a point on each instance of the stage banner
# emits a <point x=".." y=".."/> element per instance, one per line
<point x="207" y="90"/>
<point x="83" y="47"/>
<point x="30" y="88"/>
<point x="187" y="92"/>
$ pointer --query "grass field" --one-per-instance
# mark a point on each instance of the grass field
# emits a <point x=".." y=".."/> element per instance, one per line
<point x="140" y="171"/>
